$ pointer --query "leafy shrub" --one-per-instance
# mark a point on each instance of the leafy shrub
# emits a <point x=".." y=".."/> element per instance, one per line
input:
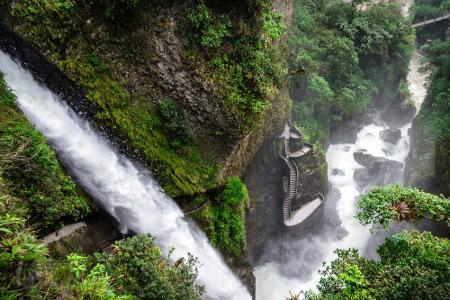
<point x="19" y="252"/>
<point x="210" y="34"/>
<point x="272" y="24"/>
<point x="91" y="282"/>
<point x="176" y="122"/>
<point x="139" y="269"/>
<point x="228" y="218"/>
<point x="57" y="19"/>
<point x="382" y="205"/>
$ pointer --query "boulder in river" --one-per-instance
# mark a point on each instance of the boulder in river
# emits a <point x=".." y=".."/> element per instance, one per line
<point x="377" y="171"/>
<point x="397" y="115"/>
<point x="338" y="172"/>
<point x="374" y="162"/>
<point x="391" y="135"/>
<point x="362" y="177"/>
<point x="346" y="132"/>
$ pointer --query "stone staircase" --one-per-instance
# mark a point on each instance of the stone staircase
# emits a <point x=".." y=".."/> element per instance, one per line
<point x="291" y="189"/>
<point x="290" y="183"/>
<point x="104" y="234"/>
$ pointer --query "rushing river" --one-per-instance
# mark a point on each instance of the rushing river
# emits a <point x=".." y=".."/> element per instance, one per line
<point x="132" y="197"/>
<point x="299" y="270"/>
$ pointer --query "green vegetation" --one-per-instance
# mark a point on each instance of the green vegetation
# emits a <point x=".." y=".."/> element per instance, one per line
<point x="30" y="171"/>
<point x="139" y="270"/>
<point x="228" y="218"/>
<point x="382" y="205"/>
<point x="340" y="57"/>
<point x="243" y="60"/>
<point x="57" y="21"/>
<point x="223" y="219"/>
<point x="19" y="251"/>
<point x="412" y="265"/>
<point x="76" y="277"/>
<point x="135" y="270"/>
<point x="176" y="123"/>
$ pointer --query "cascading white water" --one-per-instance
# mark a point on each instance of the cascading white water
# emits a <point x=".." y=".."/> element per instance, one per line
<point x="308" y="253"/>
<point x="134" y="199"/>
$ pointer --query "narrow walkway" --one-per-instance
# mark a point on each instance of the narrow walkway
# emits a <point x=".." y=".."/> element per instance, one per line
<point x="295" y="217"/>
<point x="104" y="234"/>
<point x="431" y="21"/>
<point x="304" y="212"/>
<point x="291" y="190"/>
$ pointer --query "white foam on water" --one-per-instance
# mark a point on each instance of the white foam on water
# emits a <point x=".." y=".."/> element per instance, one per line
<point x="271" y="281"/>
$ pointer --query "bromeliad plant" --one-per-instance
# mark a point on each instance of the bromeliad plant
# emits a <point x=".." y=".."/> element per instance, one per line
<point x="382" y="205"/>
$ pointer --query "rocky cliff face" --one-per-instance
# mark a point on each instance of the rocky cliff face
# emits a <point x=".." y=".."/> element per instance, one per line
<point x="264" y="179"/>
<point x="428" y="163"/>
<point x="312" y="177"/>
<point x="419" y="165"/>
<point x="151" y="58"/>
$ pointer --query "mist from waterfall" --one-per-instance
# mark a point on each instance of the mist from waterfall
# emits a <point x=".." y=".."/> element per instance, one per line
<point x="128" y="194"/>
<point x="303" y="258"/>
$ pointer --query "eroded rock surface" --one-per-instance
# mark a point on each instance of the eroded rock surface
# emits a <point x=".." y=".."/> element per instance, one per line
<point x="71" y="238"/>
<point x="377" y="171"/>
<point x="391" y="135"/>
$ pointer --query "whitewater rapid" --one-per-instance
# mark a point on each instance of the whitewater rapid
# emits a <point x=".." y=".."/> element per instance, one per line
<point x="307" y="254"/>
<point x="132" y="197"/>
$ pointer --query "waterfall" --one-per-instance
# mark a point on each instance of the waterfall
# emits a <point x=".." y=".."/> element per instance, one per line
<point x="131" y="196"/>
<point x="304" y="257"/>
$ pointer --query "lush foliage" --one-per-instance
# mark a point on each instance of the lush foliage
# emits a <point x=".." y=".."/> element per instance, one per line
<point x="57" y="20"/>
<point x="228" y="218"/>
<point x="31" y="171"/>
<point x="135" y="271"/>
<point x="382" y="205"/>
<point x="139" y="269"/>
<point x="339" y="57"/>
<point x="175" y="122"/>
<point x="223" y="218"/>
<point x="241" y="54"/>
<point x="76" y="277"/>
<point x="19" y="249"/>
<point x="412" y="266"/>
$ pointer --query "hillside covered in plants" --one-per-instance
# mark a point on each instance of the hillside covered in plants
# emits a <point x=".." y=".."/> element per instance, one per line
<point x="208" y="149"/>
